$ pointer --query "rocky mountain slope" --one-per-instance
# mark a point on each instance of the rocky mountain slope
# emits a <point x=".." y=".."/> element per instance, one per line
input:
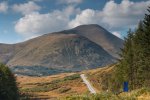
<point x="100" y="36"/>
<point x="84" y="47"/>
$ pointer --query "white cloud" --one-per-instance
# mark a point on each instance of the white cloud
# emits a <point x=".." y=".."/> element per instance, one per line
<point x="117" y="34"/>
<point x="26" y="8"/>
<point x="35" y="24"/>
<point x="113" y="16"/>
<point x="69" y="1"/>
<point x="3" y="7"/>
<point x="124" y="15"/>
<point x="87" y="16"/>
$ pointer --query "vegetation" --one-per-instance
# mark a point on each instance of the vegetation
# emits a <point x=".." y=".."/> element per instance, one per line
<point x="134" y="66"/>
<point x="64" y="89"/>
<point x="53" y="85"/>
<point x="72" y="77"/>
<point x="100" y="78"/>
<point x="8" y="85"/>
<point x="101" y="96"/>
<point x="134" y="95"/>
<point x="48" y="87"/>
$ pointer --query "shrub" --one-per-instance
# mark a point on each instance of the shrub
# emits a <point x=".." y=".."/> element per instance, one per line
<point x="72" y="77"/>
<point x="8" y="85"/>
<point x="64" y="89"/>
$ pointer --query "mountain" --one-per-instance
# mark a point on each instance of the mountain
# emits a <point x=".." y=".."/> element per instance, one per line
<point x="84" y="47"/>
<point x="100" y="36"/>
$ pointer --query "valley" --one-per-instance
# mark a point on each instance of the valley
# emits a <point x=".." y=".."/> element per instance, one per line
<point x="70" y="85"/>
<point x="75" y="50"/>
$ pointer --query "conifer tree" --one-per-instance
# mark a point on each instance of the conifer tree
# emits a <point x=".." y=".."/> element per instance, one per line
<point x="144" y="43"/>
<point x="138" y="57"/>
<point x="134" y="65"/>
<point x="124" y="70"/>
<point x="142" y="52"/>
<point x="8" y="86"/>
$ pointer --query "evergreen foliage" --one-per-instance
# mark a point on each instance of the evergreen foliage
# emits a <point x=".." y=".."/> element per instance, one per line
<point x="8" y="86"/>
<point x="134" y="65"/>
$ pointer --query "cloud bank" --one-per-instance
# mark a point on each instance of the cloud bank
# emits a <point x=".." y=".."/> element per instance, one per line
<point x="26" y="8"/>
<point x="113" y="16"/>
<point x="35" y="23"/>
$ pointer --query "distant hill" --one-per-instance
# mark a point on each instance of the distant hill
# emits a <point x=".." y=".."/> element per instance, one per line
<point x="84" y="47"/>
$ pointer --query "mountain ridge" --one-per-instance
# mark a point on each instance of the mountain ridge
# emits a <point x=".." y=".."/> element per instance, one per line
<point x="71" y="50"/>
<point x="100" y="36"/>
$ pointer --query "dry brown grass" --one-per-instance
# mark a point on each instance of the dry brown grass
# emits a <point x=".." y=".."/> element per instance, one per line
<point x="99" y="77"/>
<point x="76" y="86"/>
<point x="145" y="96"/>
<point x="29" y="79"/>
<point x="66" y="87"/>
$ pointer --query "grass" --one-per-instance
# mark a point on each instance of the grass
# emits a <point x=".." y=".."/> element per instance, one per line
<point x="53" y="85"/>
<point x="101" y="96"/>
<point x="71" y="87"/>
<point x="44" y="88"/>
<point x="64" y="89"/>
<point x="100" y="78"/>
<point x="138" y="94"/>
<point x="72" y="77"/>
<point x="57" y="87"/>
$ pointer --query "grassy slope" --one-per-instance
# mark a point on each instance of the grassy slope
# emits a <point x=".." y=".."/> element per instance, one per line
<point x="99" y="78"/>
<point x="52" y="86"/>
<point x="69" y="86"/>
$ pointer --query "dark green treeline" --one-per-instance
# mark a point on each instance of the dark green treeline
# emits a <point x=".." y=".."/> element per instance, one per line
<point x="8" y="85"/>
<point x="134" y="65"/>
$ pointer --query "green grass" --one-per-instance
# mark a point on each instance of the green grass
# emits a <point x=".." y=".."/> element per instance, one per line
<point x="101" y="96"/>
<point x="110" y="96"/>
<point x="72" y="77"/>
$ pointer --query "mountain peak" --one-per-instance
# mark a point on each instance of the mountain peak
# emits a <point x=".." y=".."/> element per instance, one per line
<point x="80" y="48"/>
<point x="89" y="25"/>
<point x="100" y="36"/>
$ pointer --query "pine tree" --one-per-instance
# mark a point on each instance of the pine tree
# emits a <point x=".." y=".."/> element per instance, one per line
<point x="134" y="65"/>
<point x="8" y="86"/>
<point x="142" y="52"/>
<point x="138" y="57"/>
<point x="144" y="43"/>
<point x="125" y="68"/>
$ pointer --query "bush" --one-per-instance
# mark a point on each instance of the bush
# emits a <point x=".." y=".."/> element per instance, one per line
<point x="44" y="88"/>
<point x="8" y="86"/>
<point x="64" y="89"/>
<point x="72" y="77"/>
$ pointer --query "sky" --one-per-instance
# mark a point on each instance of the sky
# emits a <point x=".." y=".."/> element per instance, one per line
<point x="21" y="20"/>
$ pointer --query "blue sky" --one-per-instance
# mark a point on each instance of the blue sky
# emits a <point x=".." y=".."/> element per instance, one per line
<point x="21" y="20"/>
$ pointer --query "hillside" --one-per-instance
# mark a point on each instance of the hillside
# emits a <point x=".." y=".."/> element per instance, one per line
<point x="100" y="36"/>
<point x="84" y="47"/>
<point x="68" y="86"/>
<point x="51" y="87"/>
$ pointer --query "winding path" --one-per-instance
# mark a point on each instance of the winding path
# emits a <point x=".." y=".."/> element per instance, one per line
<point x="91" y="89"/>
